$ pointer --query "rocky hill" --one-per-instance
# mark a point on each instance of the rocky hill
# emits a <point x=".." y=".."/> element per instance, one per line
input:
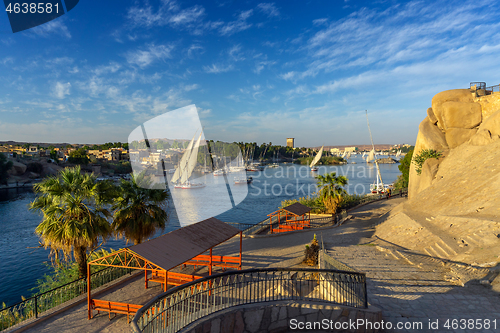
<point x="453" y="211"/>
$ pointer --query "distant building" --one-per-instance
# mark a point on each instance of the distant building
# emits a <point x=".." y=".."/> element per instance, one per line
<point x="350" y="149"/>
<point x="335" y="151"/>
<point x="290" y="142"/>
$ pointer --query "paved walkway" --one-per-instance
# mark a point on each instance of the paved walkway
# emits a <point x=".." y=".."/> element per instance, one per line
<point x="409" y="287"/>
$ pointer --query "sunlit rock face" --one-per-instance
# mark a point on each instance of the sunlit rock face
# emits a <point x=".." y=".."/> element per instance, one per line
<point x="457" y="117"/>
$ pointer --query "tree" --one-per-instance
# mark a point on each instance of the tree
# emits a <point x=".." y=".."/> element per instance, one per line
<point x="404" y="167"/>
<point x="4" y="167"/>
<point x="53" y="154"/>
<point x="74" y="210"/>
<point x="78" y="156"/>
<point x="331" y="190"/>
<point x="137" y="211"/>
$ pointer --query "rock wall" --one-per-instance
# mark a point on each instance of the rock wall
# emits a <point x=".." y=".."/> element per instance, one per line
<point x="457" y="117"/>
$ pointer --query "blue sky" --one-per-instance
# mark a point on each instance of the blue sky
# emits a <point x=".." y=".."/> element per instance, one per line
<point x="257" y="71"/>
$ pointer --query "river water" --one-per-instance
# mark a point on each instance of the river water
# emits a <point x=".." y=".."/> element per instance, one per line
<point x="21" y="262"/>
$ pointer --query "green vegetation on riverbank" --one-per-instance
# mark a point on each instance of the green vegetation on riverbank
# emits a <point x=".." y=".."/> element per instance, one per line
<point x="325" y="160"/>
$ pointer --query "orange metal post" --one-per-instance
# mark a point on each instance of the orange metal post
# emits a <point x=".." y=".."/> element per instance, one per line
<point x="89" y="299"/>
<point x="241" y="244"/>
<point x="210" y="268"/>
<point x="271" y="224"/>
<point x="146" y="278"/>
<point x="166" y="279"/>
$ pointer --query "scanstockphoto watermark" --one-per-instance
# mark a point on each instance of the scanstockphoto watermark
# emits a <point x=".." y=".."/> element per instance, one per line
<point x="295" y="188"/>
<point x="355" y="325"/>
<point x="299" y="180"/>
<point x="348" y="170"/>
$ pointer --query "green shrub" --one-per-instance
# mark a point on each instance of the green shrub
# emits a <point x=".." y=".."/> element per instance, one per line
<point x="421" y="157"/>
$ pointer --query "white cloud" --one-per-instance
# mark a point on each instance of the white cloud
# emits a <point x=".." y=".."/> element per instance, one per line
<point x="60" y="90"/>
<point x="194" y="49"/>
<point x="238" y="25"/>
<point x="146" y="57"/>
<point x="214" y="68"/>
<point x="269" y="9"/>
<point x="52" y="28"/>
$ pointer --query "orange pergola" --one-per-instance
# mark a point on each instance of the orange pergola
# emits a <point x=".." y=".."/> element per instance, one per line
<point x="184" y="246"/>
<point x="297" y="217"/>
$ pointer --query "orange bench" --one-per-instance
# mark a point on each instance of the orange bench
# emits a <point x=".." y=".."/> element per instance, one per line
<point x="175" y="279"/>
<point x="217" y="261"/>
<point x="115" y="307"/>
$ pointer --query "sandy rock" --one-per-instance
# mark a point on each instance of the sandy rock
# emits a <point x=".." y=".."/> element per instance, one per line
<point x="431" y="116"/>
<point x="17" y="169"/>
<point x="431" y="137"/>
<point x="428" y="174"/>
<point x="457" y="136"/>
<point x="455" y="95"/>
<point x="482" y="138"/>
<point x="492" y="124"/>
<point x="460" y="115"/>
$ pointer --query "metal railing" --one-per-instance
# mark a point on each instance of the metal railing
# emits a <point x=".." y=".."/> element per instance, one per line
<point x="478" y="85"/>
<point x="33" y="306"/>
<point x="492" y="89"/>
<point x="182" y="305"/>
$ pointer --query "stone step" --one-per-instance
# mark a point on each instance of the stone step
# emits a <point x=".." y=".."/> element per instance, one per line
<point x="440" y="250"/>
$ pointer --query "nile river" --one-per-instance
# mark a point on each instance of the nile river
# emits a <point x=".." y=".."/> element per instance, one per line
<point x="21" y="262"/>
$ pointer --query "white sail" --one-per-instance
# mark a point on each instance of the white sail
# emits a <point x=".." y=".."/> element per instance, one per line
<point x="364" y="154"/>
<point x="371" y="156"/>
<point x="348" y="155"/>
<point x="317" y="157"/>
<point x="182" y="164"/>
<point x="193" y="159"/>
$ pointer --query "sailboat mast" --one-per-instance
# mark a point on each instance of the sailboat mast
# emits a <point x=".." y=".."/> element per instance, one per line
<point x="373" y="146"/>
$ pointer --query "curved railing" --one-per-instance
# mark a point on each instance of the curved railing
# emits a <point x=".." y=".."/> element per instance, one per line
<point x="182" y="305"/>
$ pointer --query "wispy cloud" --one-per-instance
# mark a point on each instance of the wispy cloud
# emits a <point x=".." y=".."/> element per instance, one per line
<point x="269" y="9"/>
<point x="238" y="25"/>
<point x="145" y="57"/>
<point x="215" y="68"/>
<point x="52" y="28"/>
<point x="61" y="90"/>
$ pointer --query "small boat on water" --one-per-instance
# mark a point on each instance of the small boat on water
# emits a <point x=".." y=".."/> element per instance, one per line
<point x="316" y="160"/>
<point x="188" y="162"/>
<point x="243" y="180"/>
<point x="188" y="185"/>
<point x="219" y="172"/>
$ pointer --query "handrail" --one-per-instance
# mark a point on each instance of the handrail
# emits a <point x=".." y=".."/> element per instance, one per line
<point x="182" y="305"/>
<point x="33" y="306"/>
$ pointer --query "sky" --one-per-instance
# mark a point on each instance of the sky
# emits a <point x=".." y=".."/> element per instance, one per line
<point x="256" y="71"/>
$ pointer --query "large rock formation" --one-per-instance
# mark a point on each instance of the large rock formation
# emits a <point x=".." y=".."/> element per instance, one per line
<point x="453" y="211"/>
<point x="457" y="117"/>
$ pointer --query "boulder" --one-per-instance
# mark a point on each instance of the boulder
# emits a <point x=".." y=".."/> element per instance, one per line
<point x="17" y="169"/>
<point x="492" y="124"/>
<point x="456" y="136"/>
<point x="455" y="95"/>
<point x="429" y="137"/>
<point x="460" y="115"/>
<point x="428" y="174"/>
<point x="482" y="138"/>
<point x="431" y="116"/>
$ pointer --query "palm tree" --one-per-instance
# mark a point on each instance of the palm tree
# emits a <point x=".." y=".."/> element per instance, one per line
<point x="74" y="211"/>
<point x="138" y="213"/>
<point x="331" y="190"/>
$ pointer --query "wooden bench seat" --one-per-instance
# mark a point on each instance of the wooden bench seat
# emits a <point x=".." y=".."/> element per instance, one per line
<point x="217" y="261"/>
<point x="175" y="279"/>
<point x="115" y="307"/>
